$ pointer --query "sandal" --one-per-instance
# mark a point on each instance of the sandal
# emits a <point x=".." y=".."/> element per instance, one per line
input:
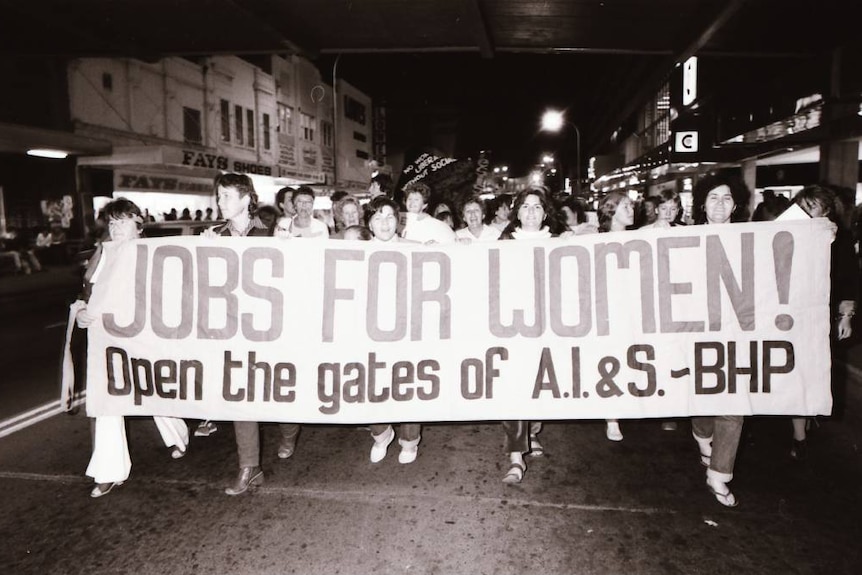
<point x="104" y="488"/>
<point x="515" y="473"/>
<point x="704" y="445"/>
<point x="536" y="449"/>
<point x="725" y="498"/>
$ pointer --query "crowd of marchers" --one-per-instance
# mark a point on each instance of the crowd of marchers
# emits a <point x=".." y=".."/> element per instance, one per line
<point x="414" y="217"/>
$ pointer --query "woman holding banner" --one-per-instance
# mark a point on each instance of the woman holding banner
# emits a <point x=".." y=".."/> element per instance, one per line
<point x="381" y="218"/>
<point x="420" y="226"/>
<point x="237" y="203"/>
<point x="668" y="211"/>
<point x="533" y="218"/>
<point x="821" y="202"/>
<point x="110" y="463"/>
<point x="719" y="199"/>
<point x="346" y="212"/>
<point x="475" y="229"/>
<point x="616" y="213"/>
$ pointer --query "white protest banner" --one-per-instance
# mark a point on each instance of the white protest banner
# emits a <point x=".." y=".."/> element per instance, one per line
<point x="697" y="320"/>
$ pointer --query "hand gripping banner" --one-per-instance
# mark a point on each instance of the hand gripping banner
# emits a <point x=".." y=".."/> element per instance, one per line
<point x="697" y="320"/>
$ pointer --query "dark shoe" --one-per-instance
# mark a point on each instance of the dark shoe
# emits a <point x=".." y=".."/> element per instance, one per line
<point x="287" y="447"/>
<point x="248" y="477"/>
<point x="205" y="429"/>
<point x="799" y="451"/>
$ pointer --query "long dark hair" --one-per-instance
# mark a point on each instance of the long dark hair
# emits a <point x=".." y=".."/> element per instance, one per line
<point x="555" y="226"/>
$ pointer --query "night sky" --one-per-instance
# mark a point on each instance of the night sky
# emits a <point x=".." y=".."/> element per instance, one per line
<point x="496" y="102"/>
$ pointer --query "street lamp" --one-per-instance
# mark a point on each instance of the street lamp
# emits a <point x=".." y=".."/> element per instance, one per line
<point x="553" y="121"/>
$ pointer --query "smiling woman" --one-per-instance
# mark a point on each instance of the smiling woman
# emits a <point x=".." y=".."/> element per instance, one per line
<point x="720" y="198"/>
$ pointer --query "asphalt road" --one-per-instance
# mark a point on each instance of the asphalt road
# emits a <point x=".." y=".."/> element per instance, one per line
<point x="588" y="506"/>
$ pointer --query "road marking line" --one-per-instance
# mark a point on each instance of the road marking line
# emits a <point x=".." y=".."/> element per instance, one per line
<point x="35" y="415"/>
<point x="350" y="496"/>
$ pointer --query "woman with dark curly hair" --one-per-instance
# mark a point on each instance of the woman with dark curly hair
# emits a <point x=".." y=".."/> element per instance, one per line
<point x="381" y="219"/>
<point x="532" y="217"/>
<point x="727" y="196"/>
<point x="719" y="199"/>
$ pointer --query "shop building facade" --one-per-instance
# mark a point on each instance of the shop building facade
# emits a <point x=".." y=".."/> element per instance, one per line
<point x="176" y="123"/>
<point x="781" y="123"/>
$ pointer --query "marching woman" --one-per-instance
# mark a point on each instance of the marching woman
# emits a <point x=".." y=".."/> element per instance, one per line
<point x="719" y="199"/>
<point x="668" y="210"/>
<point x="237" y="204"/>
<point x="475" y="229"/>
<point x="381" y="216"/>
<point x="822" y="202"/>
<point x="110" y="463"/>
<point x="615" y="213"/>
<point x="532" y="218"/>
<point x="420" y="226"/>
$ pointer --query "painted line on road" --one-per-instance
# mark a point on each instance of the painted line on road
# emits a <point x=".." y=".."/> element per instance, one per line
<point x="35" y="415"/>
<point x="56" y="324"/>
<point x="20" y="475"/>
<point x="351" y="496"/>
<point x="410" y="496"/>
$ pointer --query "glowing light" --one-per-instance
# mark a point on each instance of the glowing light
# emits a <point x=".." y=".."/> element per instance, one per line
<point x="48" y="153"/>
<point x="552" y="121"/>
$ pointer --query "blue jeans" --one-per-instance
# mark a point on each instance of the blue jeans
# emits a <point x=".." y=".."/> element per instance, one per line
<point x="248" y="440"/>
<point x="725" y="431"/>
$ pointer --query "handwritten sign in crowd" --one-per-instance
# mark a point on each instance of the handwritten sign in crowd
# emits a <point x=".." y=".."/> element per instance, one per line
<point x="697" y="320"/>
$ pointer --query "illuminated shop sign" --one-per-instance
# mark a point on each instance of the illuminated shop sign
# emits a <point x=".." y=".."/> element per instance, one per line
<point x="143" y="182"/>
<point x="689" y="81"/>
<point x="685" y="141"/>
<point x="205" y="160"/>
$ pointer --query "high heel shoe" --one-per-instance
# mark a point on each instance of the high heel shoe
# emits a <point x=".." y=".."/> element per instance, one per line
<point x="248" y="477"/>
<point x="799" y="451"/>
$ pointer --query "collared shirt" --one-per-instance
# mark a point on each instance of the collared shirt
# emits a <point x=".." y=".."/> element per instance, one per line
<point x="255" y="228"/>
